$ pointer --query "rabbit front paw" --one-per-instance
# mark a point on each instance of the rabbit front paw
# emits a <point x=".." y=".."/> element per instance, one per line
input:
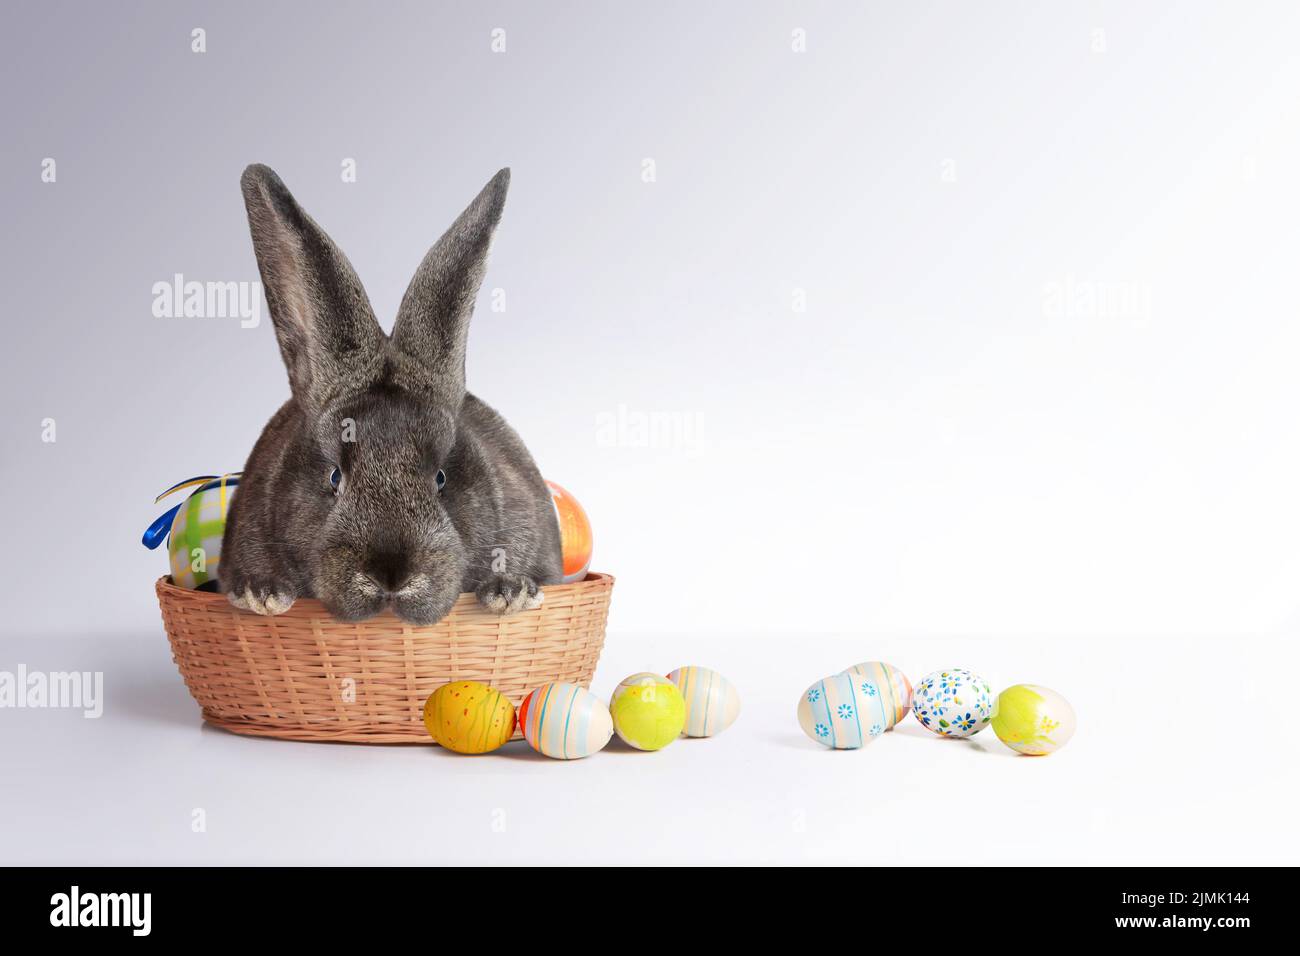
<point x="261" y="597"/>
<point x="508" y="593"/>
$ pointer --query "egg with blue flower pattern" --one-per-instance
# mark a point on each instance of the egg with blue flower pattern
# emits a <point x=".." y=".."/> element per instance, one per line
<point x="892" y="683"/>
<point x="712" y="703"/>
<point x="843" y="712"/>
<point x="953" y="703"/>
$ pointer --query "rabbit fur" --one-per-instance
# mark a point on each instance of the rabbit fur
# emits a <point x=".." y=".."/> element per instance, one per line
<point x="381" y="483"/>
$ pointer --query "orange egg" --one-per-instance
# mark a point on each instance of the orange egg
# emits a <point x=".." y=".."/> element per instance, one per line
<point x="575" y="533"/>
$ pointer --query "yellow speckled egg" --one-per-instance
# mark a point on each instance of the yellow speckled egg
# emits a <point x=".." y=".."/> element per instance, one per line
<point x="712" y="704"/>
<point x="648" y="711"/>
<point x="565" y="721"/>
<point x="469" y="717"/>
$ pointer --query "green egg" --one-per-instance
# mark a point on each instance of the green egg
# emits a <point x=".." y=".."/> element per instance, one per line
<point x="648" y="710"/>
<point x="1033" y="720"/>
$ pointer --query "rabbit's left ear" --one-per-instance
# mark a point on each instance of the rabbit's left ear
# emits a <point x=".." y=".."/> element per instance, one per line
<point x="433" y="321"/>
<point x="327" y="332"/>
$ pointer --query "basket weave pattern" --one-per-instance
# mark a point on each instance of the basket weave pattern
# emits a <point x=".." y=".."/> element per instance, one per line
<point x="303" y="675"/>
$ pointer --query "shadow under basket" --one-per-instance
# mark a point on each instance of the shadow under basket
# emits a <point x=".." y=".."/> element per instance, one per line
<point x="304" y="675"/>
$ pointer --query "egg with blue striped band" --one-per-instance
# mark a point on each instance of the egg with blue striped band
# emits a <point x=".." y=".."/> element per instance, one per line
<point x="712" y="703"/>
<point x="565" y="721"/>
<point x="842" y="712"/>
<point x="892" y="683"/>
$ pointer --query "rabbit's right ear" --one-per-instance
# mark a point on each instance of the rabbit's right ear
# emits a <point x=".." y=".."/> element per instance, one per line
<point x="327" y="331"/>
<point x="433" y="320"/>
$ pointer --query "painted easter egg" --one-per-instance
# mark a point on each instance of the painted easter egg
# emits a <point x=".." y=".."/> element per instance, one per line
<point x="843" y="712"/>
<point x="1033" y="720"/>
<point x="892" y="683"/>
<point x="565" y="721"/>
<point x="575" y="533"/>
<point x="194" y="546"/>
<point x="712" y="703"/>
<point x="469" y="717"/>
<point x="953" y="702"/>
<point x="648" y="711"/>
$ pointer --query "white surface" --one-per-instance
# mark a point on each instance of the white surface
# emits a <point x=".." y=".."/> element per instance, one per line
<point x="1184" y="754"/>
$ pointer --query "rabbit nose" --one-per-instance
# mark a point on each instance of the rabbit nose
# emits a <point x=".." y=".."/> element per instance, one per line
<point x="390" y="570"/>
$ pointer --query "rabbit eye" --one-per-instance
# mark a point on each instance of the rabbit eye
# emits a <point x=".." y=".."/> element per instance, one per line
<point x="440" y="479"/>
<point x="336" y="476"/>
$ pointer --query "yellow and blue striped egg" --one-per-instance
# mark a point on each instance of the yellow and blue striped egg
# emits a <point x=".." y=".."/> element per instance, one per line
<point x="892" y="683"/>
<point x="565" y="721"/>
<point x="843" y="712"/>
<point x="712" y="703"/>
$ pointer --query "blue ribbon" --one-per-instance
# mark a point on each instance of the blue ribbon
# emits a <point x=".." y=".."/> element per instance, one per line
<point x="157" y="532"/>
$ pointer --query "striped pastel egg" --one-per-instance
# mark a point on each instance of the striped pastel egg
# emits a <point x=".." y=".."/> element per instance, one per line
<point x="843" y="712"/>
<point x="892" y="683"/>
<point x="712" y="703"/>
<point x="469" y="717"/>
<point x="565" y="721"/>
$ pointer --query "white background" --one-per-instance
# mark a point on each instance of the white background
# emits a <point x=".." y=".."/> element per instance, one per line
<point x="955" y="454"/>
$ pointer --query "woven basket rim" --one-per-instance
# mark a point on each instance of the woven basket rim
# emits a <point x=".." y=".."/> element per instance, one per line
<point x="313" y="608"/>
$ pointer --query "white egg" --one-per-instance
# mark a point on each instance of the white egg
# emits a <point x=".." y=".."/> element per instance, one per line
<point x="953" y="702"/>
<point x="843" y="712"/>
<point x="712" y="703"/>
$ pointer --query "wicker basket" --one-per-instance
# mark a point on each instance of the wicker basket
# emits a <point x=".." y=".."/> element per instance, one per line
<point x="303" y="675"/>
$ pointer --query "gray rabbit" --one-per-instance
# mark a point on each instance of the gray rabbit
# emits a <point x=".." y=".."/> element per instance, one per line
<point x="382" y="483"/>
